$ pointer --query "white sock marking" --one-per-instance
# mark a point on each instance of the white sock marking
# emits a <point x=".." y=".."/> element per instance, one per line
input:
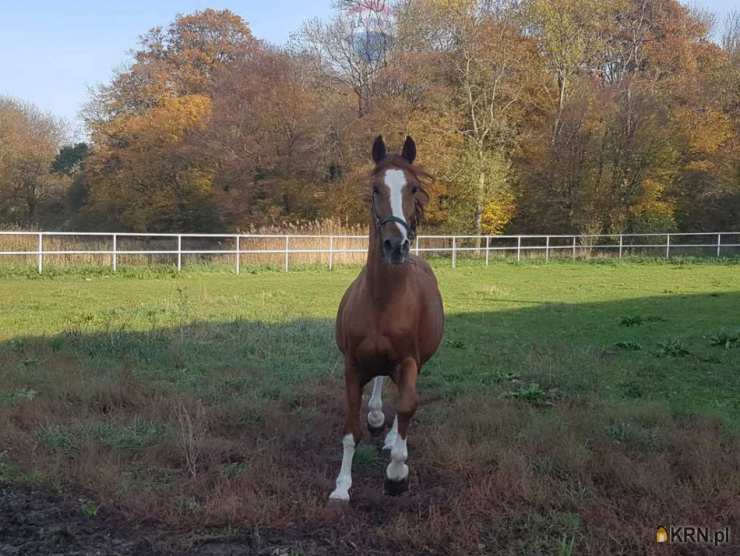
<point x="390" y="438"/>
<point x="397" y="469"/>
<point x="396" y="181"/>
<point x="376" y="417"/>
<point x="344" y="479"/>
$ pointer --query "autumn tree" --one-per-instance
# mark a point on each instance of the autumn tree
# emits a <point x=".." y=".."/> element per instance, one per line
<point x="29" y="142"/>
<point x="706" y="117"/>
<point x="182" y="59"/>
<point x="533" y="116"/>
<point x="613" y="156"/>
<point x="143" y="174"/>
<point x="267" y="140"/>
<point x="484" y="55"/>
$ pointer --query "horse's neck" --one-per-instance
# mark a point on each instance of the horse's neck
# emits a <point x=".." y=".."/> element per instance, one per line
<point x="384" y="279"/>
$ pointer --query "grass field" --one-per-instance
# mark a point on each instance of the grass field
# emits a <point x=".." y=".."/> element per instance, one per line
<point x="572" y="408"/>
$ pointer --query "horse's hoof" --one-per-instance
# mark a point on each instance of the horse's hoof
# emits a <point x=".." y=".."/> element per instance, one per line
<point x="375" y="431"/>
<point x="395" y="488"/>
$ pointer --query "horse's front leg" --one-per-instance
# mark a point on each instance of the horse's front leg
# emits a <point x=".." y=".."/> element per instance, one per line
<point x="397" y="472"/>
<point x="353" y="393"/>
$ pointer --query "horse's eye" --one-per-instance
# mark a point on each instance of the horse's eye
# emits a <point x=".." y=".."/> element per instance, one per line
<point x="375" y="191"/>
<point x="414" y="189"/>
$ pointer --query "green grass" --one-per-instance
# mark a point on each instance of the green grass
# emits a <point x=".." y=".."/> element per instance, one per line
<point x="573" y="379"/>
<point x="523" y="330"/>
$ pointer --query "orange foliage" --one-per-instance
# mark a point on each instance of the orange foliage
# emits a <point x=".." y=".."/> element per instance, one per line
<point x="539" y="116"/>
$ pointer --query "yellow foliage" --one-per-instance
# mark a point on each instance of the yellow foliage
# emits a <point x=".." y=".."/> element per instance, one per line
<point x="707" y="131"/>
<point x="166" y="123"/>
<point x="142" y="170"/>
<point x="652" y="204"/>
<point x="497" y="214"/>
<point x="700" y="166"/>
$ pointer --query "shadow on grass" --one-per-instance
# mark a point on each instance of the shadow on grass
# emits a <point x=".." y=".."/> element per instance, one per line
<point x="540" y="428"/>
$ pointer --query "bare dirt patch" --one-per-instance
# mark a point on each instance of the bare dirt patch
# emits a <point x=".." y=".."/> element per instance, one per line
<point x="32" y="521"/>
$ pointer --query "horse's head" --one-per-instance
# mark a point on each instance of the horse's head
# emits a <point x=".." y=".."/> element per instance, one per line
<point x="398" y="199"/>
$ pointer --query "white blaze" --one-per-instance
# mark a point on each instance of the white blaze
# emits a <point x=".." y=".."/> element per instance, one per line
<point x="396" y="181"/>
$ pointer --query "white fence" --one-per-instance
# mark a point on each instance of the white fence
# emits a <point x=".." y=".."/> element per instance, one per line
<point x="50" y="244"/>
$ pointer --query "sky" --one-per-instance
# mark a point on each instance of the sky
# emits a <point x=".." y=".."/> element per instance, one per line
<point x="52" y="52"/>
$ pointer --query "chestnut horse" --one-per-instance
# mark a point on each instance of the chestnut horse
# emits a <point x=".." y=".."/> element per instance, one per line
<point x="390" y="320"/>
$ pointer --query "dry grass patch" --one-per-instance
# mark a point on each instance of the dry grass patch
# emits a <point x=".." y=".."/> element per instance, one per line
<point x="615" y="472"/>
<point x="488" y="475"/>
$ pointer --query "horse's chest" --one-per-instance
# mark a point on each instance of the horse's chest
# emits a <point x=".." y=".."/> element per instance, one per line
<point x="381" y="343"/>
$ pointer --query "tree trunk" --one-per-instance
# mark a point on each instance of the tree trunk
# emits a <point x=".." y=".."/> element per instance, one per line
<point x="561" y="105"/>
<point x="479" y="205"/>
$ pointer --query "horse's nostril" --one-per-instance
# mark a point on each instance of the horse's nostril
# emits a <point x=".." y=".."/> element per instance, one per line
<point x="405" y="245"/>
<point x="387" y="245"/>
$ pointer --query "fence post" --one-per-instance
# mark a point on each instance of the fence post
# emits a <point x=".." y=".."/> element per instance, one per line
<point x="667" y="245"/>
<point x="547" y="249"/>
<point x="238" y="254"/>
<point x="719" y="243"/>
<point x="574" y="248"/>
<point x="179" y="252"/>
<point x="287" y="238"/>
<point x="331" y="252"/>
<point x="454" y="251"/>
<point x="115" y="252"/>
<point x="518" y="248"/>
<point x="488" y="244"/>
<point x="621" y="243"/>
<point x="41" y="252"/>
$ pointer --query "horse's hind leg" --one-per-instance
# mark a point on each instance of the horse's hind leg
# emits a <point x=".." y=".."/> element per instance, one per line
<point x="375" y="416"/>
<point x="397" y="472"/>
<point x="353" y="392"/>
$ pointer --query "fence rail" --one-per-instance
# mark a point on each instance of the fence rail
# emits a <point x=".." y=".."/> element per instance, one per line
<point x="50" y="244"/>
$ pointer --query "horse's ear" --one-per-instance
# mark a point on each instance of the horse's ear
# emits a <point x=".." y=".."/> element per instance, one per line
<point x="378" y="149"/>
<point x="409" y="150"/>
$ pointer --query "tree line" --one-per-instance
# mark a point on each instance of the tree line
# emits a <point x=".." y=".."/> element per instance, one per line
<point x="558" y="116"/>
